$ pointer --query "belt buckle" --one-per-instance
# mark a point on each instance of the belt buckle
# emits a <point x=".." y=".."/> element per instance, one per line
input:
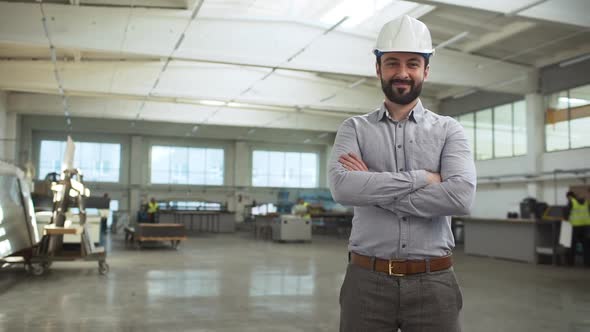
<point x="391" y="272"/>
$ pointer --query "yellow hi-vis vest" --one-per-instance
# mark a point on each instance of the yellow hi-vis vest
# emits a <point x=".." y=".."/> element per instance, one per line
<point x="579" y="216"/>
<point x="152" y="207"/>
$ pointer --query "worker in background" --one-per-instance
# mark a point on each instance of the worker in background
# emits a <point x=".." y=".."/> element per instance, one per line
<point x="104" y="214"/>
<point x="577" y="213"/>
<point x="104" y="217"/>
<point x="301" y="209"/>
<point x="405" y="170"/>
<point x="152" y="210"/>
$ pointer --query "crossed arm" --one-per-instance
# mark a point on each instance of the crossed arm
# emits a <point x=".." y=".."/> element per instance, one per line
<point x="418" y="192"/>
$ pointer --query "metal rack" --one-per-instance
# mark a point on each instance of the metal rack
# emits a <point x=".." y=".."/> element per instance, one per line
<point x="68" y="191"/>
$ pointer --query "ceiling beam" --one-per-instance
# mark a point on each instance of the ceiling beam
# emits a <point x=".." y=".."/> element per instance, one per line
<point x="573" y="12"/>
<point x="494" y="37"/>
<point x="563" y="55"/>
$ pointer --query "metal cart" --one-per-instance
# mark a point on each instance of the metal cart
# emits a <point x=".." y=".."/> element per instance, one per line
<point x="51" y="249"/>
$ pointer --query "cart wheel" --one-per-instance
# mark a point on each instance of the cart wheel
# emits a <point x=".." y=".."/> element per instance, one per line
<point x="35" y="269"/>
<point x="103" y="268"/>
<point x="47" y="264"/>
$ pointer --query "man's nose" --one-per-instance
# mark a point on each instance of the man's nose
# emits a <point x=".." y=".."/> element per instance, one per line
<point x="402" y="73"/>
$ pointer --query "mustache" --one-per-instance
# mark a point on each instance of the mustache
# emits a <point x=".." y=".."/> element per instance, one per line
<point x="393" y="81"/>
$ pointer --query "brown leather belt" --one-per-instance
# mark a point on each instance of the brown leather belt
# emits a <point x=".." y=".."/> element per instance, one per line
<point x="401" y="267"/>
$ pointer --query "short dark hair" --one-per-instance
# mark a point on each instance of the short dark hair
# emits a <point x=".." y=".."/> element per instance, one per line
<point x="570" y="194"/>
<point x="424" y="55"/>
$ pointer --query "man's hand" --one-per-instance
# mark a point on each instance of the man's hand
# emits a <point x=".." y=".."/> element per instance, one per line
<point x="352" y="162"/>
<point x="433" y="178"/>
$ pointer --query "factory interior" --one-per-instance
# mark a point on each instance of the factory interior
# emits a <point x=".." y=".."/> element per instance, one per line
<point x="167" y="165"/>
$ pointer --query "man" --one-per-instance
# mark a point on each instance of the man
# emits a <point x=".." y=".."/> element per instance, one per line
<point x="152" y="210"/>
<point x="301" y="209"/>
<point x="405" y="170"/>
<point x="578" y="214"/>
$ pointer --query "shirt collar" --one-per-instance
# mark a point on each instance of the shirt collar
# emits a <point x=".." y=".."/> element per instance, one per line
<point x="415" y="115"/>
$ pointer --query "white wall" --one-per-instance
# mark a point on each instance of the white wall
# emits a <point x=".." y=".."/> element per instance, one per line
<point x="496" y="197"/>
<point x="496" y="200"/>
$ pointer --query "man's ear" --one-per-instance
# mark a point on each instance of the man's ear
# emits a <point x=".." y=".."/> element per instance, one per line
<point x="426" y="71"/>
<point x="378" y="69"/>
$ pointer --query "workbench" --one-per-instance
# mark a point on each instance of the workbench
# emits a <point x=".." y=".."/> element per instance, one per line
<point x="201" y="221"/>
<point x="523" y="240"/>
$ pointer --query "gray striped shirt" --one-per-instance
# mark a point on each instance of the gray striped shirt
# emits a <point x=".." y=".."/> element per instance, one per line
<point x="397" y="214"/>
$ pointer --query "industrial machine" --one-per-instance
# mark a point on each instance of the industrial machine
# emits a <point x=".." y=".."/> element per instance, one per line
<point x="291" y="228"/>
<point x="18" y="226"/>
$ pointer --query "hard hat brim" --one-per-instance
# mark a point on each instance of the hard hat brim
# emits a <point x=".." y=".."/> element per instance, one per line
<point x="425" y="53"/>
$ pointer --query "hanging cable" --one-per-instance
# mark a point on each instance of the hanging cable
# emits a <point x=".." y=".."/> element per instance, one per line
<point x="56" y="74"/>
<point x="168" y="59"/>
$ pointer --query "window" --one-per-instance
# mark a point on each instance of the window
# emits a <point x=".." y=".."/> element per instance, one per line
<point x="567" y="119"/>
<point x="519" y="127"/>
<point x="192" y="205"/>
<point x="99" y="162"/>
<point x="503" y="131"/>
<point x="182" y="165"/>
<point x="284" y="169"/>
<point x="556" y="122"/>
<point x="483" y="135"/>
<point x="469" y="124"/>
<point x="496" y="132"/>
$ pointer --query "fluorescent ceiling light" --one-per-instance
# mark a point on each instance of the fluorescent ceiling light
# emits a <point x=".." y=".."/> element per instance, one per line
<point x="357" y="12"/>
<point x="573" y="102"/>
<point x="231" y="104"/>
<point x="575" y="60"/>
<point x="465" y="93"/>
<point x="212" y="102"/>
<point x="522" y="9"/>
<point x="452" y="40"/>
<point x="307" y="140"/>
<point x="322" y="135"/>
<point x="357" y="83"/>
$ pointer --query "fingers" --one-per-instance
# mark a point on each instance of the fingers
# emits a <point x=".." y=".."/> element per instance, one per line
<point x="359" y="161"/>
<point x="346" y="159"/>
<point x="349" y="164"/>
<point x="352" y="162"/>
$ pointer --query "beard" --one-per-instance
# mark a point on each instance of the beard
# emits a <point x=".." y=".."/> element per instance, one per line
<point x="398" y="95"/>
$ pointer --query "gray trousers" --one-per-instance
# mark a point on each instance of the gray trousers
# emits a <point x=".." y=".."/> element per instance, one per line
<point x="376" y="302"/>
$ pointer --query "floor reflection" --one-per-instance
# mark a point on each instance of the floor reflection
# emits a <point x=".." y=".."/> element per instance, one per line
<point x="182" y="283"/>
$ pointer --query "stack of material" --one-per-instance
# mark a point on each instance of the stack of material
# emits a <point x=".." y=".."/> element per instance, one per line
<point x="160" y="232"/>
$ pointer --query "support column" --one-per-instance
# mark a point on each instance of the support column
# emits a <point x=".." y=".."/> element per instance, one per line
<point x="242" y="175"/>
<point x="3" y="126"/>
<point x="136" y="165"/>
<point x="535" y="121"/>
<point x="328" y="151"/>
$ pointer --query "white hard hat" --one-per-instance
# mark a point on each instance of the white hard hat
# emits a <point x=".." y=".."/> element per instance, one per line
<point x="404" y="34"/>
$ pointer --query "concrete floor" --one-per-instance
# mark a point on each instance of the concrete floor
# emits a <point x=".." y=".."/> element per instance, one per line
<point x="234" y="283"/>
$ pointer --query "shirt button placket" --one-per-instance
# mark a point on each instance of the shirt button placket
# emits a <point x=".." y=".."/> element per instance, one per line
<point x="404" y="234"/>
